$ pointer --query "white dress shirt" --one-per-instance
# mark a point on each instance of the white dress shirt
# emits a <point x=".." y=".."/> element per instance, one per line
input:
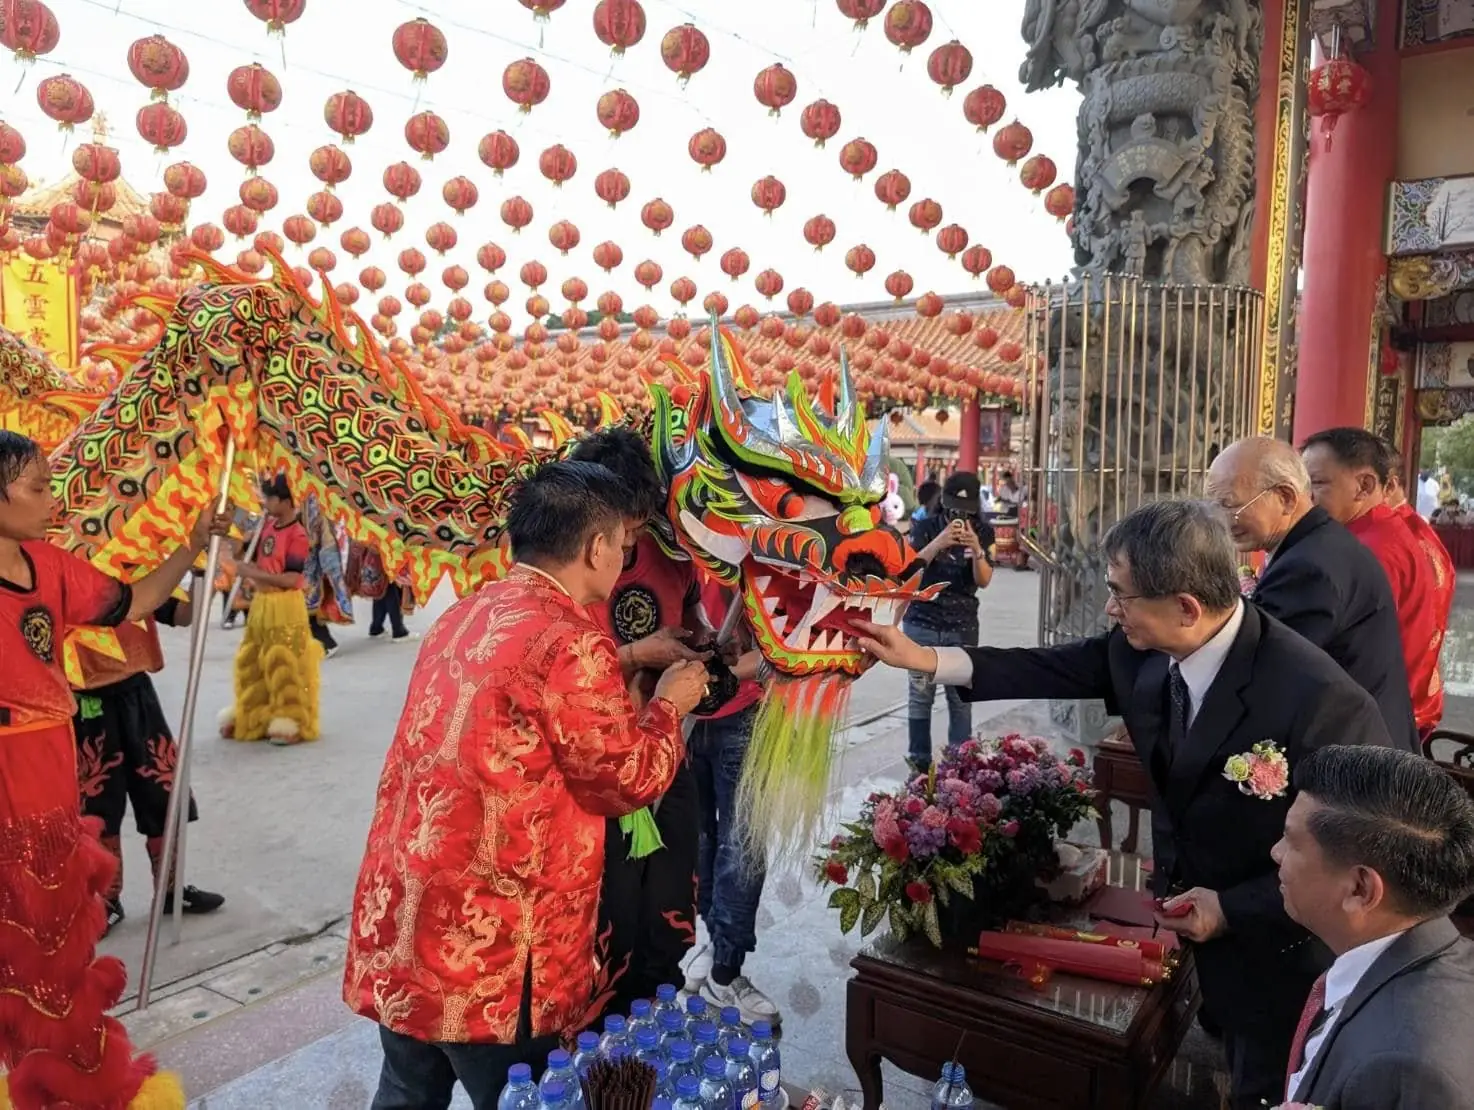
<point x="1341" y="980"/>
<point x="954" y="665"/>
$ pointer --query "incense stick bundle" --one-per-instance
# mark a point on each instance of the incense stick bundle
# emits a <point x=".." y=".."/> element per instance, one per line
<point x="619" y="1085"/>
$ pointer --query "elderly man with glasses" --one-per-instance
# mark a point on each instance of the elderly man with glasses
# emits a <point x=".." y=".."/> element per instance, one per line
<point x="1222" y="703"/>
<point x="1320" y="579"/>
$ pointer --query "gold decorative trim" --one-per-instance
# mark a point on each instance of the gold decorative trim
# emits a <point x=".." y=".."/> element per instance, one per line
<point x="1282" y="254"/>
<point x="1422" y="277"/>
<point x="1382" y="317"/>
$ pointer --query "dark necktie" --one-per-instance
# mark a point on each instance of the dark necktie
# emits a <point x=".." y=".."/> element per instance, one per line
<point x="1179" y="701"/>
<point x="1311" y="1019"/>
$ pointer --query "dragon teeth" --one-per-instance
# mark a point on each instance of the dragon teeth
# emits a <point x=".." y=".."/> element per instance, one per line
<point x="798" y="639"/>
<point x="824" y="641"/>
<point x="763" y="583"/>
<point x="884" y="612"/>
<point x="771" y="605"/>
<point x="823" y="604"/>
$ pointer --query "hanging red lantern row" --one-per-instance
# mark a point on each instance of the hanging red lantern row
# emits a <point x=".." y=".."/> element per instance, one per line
<point x="1038" y="173"/>
<point x="28" y="30"/>
<point x="516" y="213"/>
<point x="618" y="112"/>
<point x="819" y="232"/>
<point x="1336" y="86"/>
<point x="685" y="51"/>
<point x="769" y="193"/>
<point x="499" y="151"/>
<point x="657" y="215"/>
<point x="908" y="24"/>
<point x="775" y="88"/>
<point x="348" y="114"/>
<point x="565" y="236"/>
<point x="949" y="66"/>
<point x="158" y="65"/>
<point x="330" y="165"/>
<point x="984" y="107"/>
<point x="255" y="90"/>
<point x="490" y="257"/>
<point x="276" y="14"/>
<point x="420" y="47"/>
<point x="861" y="11"/>
<point x="608" y="256"/>
<point x="611" y="187"/>
<point x="526" y="84"/>
<point x="707" y="148"/>
<point x="557" y="164"/>
<point x="66" y="100"/>
<point x="427" y="134"/>
<point x="251" y="147"/>
<point x="619" y="24"/>
<point x="1013" y="142"/>
<point x="819" y="121"/>
<point x="860" y="260"/>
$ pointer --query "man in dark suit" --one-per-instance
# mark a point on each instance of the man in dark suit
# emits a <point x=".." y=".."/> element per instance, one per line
<point x="1378" y="847"/>
<point x="1321" y="580"/>
<point x="1218" y="698"/>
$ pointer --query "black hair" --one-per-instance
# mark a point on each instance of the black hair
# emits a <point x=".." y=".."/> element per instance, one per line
<point x="1178" y="547"/>
<point x="1356" y="448"/>
<point x="1398" y="814"/>
<point x="16" y="453"/>
<point x="277" y="487"/>
<point x="622" y="451"/>
<point x="928" y="492"/>
<point x="562" y="506"/>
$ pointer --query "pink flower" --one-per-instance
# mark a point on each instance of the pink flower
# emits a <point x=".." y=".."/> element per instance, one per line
<point x="1268" y="778"/>
<point x="1009" y="829"/>
<point x="934" y="818"/>
<point x="914" y="806"/>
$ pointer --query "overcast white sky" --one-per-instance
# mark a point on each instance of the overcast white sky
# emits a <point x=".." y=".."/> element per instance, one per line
<point x="338" y="44"/>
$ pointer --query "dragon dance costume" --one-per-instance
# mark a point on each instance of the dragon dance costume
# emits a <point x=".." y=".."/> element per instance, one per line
<point x="59" y="1046"/>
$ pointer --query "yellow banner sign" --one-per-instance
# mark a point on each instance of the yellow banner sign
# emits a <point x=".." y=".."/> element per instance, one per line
<point x="38" y="302"/>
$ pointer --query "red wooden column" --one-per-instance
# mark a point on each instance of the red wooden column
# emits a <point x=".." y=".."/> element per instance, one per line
<point x="1345" y="261"/>
<point x="968" y="432"/>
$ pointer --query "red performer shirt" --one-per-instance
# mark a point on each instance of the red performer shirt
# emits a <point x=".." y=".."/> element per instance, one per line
<point x="651" y="594"/>
<point x="65" y="591"/>
<point x="715" y="598"/>
<point x="283" y="548"/>
<point x="1422" y="613"/>
<point x="486" y="850"/>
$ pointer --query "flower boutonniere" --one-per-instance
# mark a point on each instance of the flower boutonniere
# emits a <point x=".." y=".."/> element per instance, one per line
<point x="1263" y="772"/>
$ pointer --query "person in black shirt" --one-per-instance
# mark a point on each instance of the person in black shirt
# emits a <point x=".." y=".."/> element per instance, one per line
<point x="954" y="541"/>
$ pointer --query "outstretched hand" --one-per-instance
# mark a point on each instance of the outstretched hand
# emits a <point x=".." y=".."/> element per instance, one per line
<point x="661" y="649"/>
<point x="683" y="684"/>
<point x="210" y="523"/>
<point x="890" y="645"/>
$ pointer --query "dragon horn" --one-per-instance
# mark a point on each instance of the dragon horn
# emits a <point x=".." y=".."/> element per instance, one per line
<point x="848" y="416"/>
<point x="723" y="383"/>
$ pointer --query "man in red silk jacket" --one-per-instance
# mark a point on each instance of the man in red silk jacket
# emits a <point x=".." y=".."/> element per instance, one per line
<point x="473" y="941"/>
<point x="1349" y="469"/>
<point x="1445" y="574"/>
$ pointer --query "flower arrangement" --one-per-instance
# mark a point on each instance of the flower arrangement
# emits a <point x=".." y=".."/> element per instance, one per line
<point x="1263" y="772"/>
<point x="972" y="836"/>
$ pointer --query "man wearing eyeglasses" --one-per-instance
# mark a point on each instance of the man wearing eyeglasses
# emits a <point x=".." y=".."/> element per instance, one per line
<point x="1209" y="687"/>
<point x="1320" y="580"/>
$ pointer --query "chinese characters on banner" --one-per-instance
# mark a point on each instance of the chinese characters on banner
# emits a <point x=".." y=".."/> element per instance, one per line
<point x="38" y="302"/>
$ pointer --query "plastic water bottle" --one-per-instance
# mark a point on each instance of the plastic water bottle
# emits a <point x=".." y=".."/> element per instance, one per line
<point x="554" y="1096"/>
<point x="769" y="1066"/>
<point x="647" y="1046"/>
<point x="561" y="1070"/>
<point x="667" y="1000"/>
<point x="741" y="1075"/>
<point x="520" y="1093"/>
<point x="704" y="1037"/>
<point x="640" y="1016"/>
<point x="952" y="1091"/>
<point x="615" y="1036"/>
<point x="695" y="1014"/>
<point x="672" y="1024"/>
<point x="587" y="1054"/>
<point x="688" y="1094"/>
<point x="662" y="1078"/>
<point x="716" y="1092"/>
<point x="681" y="1055"/>
<point x="729" y="1026"/>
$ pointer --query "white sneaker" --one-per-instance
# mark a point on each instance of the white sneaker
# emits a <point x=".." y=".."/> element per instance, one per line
<point x="698" y="967"/>
<point x="753" y="1004"/>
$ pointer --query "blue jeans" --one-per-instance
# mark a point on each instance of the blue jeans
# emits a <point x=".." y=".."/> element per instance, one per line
<point x="923" y="692"/>
<point x="729" y="883"/>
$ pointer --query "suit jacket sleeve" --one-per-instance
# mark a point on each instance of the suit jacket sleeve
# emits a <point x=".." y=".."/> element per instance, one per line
<point x="1078" y="670"/>
<point x="1399" y="1081"/>
<point x="1303" y="597"/>
<point x="614" y="759"/>
<point x="1333" y="715"/>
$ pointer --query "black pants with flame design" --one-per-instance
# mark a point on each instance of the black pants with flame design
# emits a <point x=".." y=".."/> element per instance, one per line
<point x="647" y="909"/>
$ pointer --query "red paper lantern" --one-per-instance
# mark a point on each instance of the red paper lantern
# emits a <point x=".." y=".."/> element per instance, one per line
<point x="258" y="194"/>
<point x="330" y="165"/>
<point x="820" y="122"/>
<point x="611" y="187"/>
<point x="94" y="198"/>
<point x="526" y="84"/>
<point x="417" y="294"/>
<point x="412" y="261"/>
<point x="892" y="188"/>
<point x="1001" y="279"/>
<point x="899" y="285"/>
<point x="345" y="294"/>
<point x="168" y="209"/>
<point x="952" y="240"/>
<point x="460" y="193"/>
<point x="542" y="10"/>
<point x="276" y="14"/>
<point x="499" y="151"/>
<point x="28" y="29"/>
<point x="775" y="88"/>
<point x="619" y="24"/>
<point x="162" y="125"/>
<point x="322" y="260"/>
<point x="657" y="215"/>
<point x="769" y="283"/>
<point x="455" y="278"/>
<point x="373" y="279"/>
<point x="648" y="274"/>
<point x="734" y="263"/>
<point x="240" y="221"/>
<point x="1038" y="173"/>
<point x="564" y="235"/>
<point x="925" y="215"/>
<point x="1016" y="296"/>
<point x="683" y="289"/>
<point x="1335" y="87"/>
<point x="1009" y="352"/>
<point x="387" y="219"/>
<point x="388" y="305"/>
<point x="685" y="51"/>
<point x="819" y="232"/>
<point x="69" y="218"/>
<point x="516" y="213"/>
<point x="325" y="208"/>
<point x="858" y="157"/>
<point x="1013" y="142"/>
<point x="608" y="256"/>
<point x="707" y="147"/>
<point x="908" y="24"/>
<point x="250" y="262"/>
<point x="92" y="161"/>
<point x="348" y="114"/>
<point x="861" y="11"/>
<point x="984" y="107"/>
<point x="427" y="134"/>
<point x="402" y="180"/>
<point x="420" y="47"/>
<point x="696" y="241"/>
<point x="270" y="242"/>
<point x="800" y="302"/>
<point x="184" y="180"/>
<point x="251" y="147"/>
<point x="557" y="164"/>
<point x="66" y="100"/>
<point x="254" y="89"/>
<point x="490" y="257"/>
<point x="497" y="293"/>
<point x="949" y="65"/>
<point x="618" y="111"/>
<point x="860" y="260"/>
<point x="610" y="304"/>
<point x="1059" y="202"/>
<point x="158" y="65"/>
<point x="299" y="229"/>
<point x="769" y="194"/>
<point x="976" y="260"/>
<point x="441" y="237"/>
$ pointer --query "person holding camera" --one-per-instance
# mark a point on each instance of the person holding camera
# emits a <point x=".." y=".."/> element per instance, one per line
<point x="954" y="542"/>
